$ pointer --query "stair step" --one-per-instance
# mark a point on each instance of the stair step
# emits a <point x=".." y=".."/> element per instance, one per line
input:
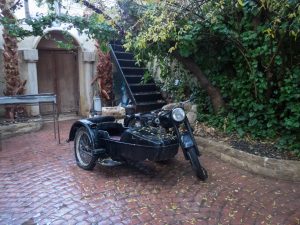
<point x="116" y="42"/>
<point x="118" y="48"/>
<point x="127" y="63"/>
<point x="148" y="106"/>
<point x="123" y="55"/>
<point x="134" y="79"/>
<point x="148" y="96"/>
<point x="133" y="70"/>
<point x="137" y="79"/>
<point x="136" y="88"/>
<point x="147" y="93"/>
<point x="151" y="102"/>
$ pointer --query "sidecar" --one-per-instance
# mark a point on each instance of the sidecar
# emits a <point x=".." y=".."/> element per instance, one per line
<point x="102" y="137"/>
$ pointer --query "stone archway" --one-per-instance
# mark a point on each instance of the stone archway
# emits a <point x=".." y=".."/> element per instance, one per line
<point x="57" y="72"/>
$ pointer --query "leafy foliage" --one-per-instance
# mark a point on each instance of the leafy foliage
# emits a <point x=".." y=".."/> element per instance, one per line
<point x="249" y="49"/>
<point x="95" y="26"/>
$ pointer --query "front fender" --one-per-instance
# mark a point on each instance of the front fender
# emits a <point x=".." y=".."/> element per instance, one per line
<point x="188" y="142"/>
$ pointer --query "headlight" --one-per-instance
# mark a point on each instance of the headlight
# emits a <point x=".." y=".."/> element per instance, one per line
<point x="178" y="114"/>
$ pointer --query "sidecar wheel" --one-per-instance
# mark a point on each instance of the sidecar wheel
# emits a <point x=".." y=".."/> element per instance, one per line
<point x="196" y="166"/>
<point x="83" y="150"/>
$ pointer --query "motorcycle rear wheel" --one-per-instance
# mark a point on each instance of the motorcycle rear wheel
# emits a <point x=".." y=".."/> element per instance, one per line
<point x="83" y="150"/>
<point x="200" y="171"/>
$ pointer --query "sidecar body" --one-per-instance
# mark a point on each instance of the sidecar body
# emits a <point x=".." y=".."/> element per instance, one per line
<point x="111" y="139"/>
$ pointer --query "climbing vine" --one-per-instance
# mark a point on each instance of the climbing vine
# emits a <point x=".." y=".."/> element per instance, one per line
<point x="94" y="26"/>
<point x="103" y="77"/>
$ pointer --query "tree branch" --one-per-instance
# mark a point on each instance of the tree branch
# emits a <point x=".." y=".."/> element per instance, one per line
<point x="15" y="5"/>
<point x="213" y="92"/>
<point x="98" y="11"/>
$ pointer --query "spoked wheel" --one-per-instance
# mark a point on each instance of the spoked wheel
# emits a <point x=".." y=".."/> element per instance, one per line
<point x="196" y="166"/>
<point x="83" y="150"/>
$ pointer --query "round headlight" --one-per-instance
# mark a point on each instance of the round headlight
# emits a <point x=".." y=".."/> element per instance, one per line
<point x="178" y="114"/>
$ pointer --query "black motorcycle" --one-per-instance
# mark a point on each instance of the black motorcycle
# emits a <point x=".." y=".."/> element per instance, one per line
<point x="173" y="121"/>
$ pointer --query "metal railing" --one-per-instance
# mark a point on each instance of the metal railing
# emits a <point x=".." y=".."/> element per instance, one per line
<point x="36" y="99"/>
<point x="112" y="52"/>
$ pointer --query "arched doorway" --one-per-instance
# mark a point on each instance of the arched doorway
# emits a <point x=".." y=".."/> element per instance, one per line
<point x="57" y="72"/>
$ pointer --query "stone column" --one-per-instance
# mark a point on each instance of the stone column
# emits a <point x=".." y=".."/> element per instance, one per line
<point x="30" y="57"/>
<point x="86" y="91"/>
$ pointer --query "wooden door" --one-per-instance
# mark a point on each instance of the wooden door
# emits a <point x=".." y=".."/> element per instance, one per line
<point x="57" y="74"/>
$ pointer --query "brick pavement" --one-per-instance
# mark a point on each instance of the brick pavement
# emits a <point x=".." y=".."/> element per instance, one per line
<point x="41" y="184"/>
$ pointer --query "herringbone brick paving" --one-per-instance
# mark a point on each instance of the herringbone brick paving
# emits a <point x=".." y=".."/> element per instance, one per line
<point x="41" y="184"/>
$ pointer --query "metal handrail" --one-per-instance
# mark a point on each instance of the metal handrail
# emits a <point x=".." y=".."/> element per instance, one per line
<point x="122" y="75"/>
<point x="28" y="99"/>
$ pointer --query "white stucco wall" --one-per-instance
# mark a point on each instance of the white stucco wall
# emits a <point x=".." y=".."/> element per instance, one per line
<point x="84" y="42"/>
<point x="86" y="68"/>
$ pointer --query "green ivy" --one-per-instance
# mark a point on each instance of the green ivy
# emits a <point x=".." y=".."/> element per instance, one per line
<point x="250" y="50"/>
<point x="95" y="27"/>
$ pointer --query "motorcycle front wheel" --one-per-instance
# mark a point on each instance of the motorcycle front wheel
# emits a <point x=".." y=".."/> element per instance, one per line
<point x="200" y="171"/>
<point x="83" y="150"/>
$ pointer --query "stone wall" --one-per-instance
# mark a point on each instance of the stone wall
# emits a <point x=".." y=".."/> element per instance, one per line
<point x="275" y="168"/>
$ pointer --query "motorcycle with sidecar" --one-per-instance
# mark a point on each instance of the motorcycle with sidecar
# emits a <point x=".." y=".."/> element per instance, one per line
<point x="102" y="137"/>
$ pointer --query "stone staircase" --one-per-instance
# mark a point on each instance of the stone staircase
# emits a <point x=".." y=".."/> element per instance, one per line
<point x="144" y="96"/>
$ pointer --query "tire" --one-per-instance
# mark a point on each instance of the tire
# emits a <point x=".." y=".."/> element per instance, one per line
<point x="83" y="150"/>
<point x="200" y="171"/>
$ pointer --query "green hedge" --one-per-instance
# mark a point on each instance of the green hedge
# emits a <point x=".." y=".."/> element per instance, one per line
<point x="251" y="51"/>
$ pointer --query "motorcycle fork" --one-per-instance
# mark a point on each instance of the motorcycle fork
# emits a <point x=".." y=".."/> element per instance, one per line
<point x="190" y="133"/>
<point x="189" y="128"/>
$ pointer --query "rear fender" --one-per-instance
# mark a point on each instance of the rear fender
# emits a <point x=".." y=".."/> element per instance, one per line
<point x="90" y="126"/>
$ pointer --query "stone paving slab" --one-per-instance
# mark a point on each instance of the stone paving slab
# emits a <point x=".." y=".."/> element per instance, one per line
<point x="40" y="183"/>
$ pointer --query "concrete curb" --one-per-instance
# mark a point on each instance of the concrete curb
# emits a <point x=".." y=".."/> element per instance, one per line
<point x="279" y="169"/>
<point x="15" y="129"/>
